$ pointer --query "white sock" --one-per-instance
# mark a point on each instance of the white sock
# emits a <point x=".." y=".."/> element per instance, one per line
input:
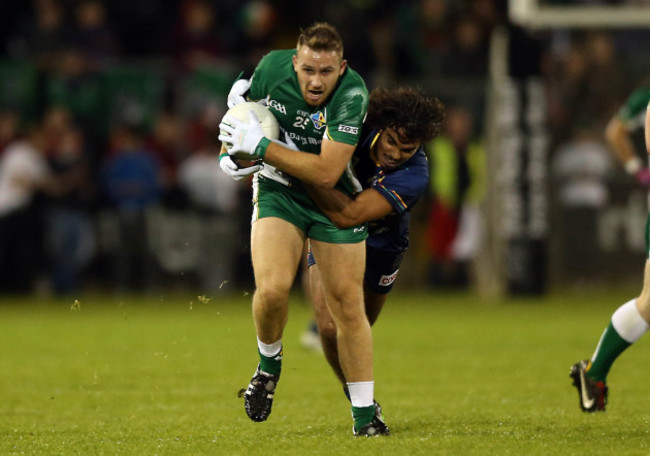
<point x="628" y="322"/>
<point x="269" y="350"/>
<point x="362" y="394"/>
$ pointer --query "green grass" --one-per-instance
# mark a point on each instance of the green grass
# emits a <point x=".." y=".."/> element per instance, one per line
<point x="454" y="373"/>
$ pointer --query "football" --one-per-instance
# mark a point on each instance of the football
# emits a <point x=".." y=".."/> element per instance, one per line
<point x="268" y="121"/>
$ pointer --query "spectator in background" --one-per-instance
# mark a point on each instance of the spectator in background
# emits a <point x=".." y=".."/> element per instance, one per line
<point x="8" y="128"/>
<point x="73" y="86"/>
<point x="486" y="13"/>
<point x="70" y="237"/>
<point x="606" y="81"/>
<point x="24" y="175"/>
<point x="215" y="197"/>
<point x="198" y="127"/>
<point x="165" y="142"/>
<point x="258" y="20"/>
<point x="92" y="34"/>
<point x="458" y="180"/>
<point x="421" y="37"/>
<point x="585" y="85"/>
<point x="196" y="40"/>
<point x="45" y="36"/>
<point x="56" y="121"/>
<point x="566" y="91"/>
<point x="581" y="168"/>
<point x="467" y="54"/>
<point x="130" y="181"/>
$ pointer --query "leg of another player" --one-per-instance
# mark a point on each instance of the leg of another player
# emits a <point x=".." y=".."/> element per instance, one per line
<point x="276" y="247"/>
<point x="374" y="302"/>
<point x="341" y="267"/>
<point x="325" y="323"/>
<point x="628" y="324"/>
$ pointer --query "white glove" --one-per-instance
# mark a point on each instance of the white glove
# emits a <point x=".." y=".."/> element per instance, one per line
<point x="228" y="166"/>
<point x="246" y="140"/>
<point x="237" y="92"/>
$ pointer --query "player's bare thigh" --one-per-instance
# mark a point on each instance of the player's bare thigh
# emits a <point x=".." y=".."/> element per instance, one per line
<point x="276" y="251"/>
<point x="341" y="268"/>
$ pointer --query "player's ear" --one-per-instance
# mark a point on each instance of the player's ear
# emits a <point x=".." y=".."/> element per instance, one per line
<point x="344" y="64"/>
<point x="294" y="59"/>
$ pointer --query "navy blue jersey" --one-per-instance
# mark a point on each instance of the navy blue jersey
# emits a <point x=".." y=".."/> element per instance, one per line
<point x="402" y="187"/>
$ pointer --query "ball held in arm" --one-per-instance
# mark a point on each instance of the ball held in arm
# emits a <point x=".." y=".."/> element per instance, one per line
<point x="246" y="129"/>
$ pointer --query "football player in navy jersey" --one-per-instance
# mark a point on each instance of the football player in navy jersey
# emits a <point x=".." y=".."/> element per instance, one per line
<point x="391" y="164"/>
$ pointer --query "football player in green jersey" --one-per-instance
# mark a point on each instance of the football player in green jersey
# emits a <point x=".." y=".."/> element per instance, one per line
<point x="320" y="103"/>
<point x="631" y="320"/>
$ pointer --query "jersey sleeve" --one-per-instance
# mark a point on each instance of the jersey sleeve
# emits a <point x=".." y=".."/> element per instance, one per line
<point x="346" y="113"/>
<point x="267" y="72"/>
<point x="402" y="188"/>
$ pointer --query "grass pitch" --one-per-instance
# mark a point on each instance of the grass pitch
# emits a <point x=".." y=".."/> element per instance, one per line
<point x="454" y="373"/>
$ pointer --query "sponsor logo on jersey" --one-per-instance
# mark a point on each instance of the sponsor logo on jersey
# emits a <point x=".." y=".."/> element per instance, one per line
<point x="359" y="229"/>
<point x="318" y="119"/>
<point x="387" y="280"/>
<point x="278" y="106"/>
<point x="348" y="129"/>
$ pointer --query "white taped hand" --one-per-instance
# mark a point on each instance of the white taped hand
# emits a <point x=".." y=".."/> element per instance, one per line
<point x="228" y="166"/>
<point x="243" y="138"/>
<point x="238" y="91"/>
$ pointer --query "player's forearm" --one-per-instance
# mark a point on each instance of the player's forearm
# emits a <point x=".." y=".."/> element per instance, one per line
<point x="336" y="205"/>
<point x="309" y="168"/>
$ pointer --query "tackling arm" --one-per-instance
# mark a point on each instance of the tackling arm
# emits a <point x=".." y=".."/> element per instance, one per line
<point x="322" y="170"/>
<point x="347" y="212"/>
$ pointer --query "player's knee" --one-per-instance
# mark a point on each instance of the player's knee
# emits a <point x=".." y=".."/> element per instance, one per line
<point x="272" y="297"/>
<point x="350" y="316"/>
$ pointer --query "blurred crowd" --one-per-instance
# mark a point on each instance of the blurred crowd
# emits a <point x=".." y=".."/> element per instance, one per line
<point x="109" y="113"/>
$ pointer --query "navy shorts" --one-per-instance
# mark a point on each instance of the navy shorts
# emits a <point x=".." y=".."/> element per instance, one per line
<point x="381" y="268"/>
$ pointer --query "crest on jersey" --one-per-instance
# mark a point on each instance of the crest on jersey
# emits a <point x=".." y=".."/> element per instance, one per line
<point x="319" y="120"/>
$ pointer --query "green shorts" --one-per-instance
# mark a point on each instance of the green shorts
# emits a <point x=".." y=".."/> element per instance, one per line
<point x="272" y="199"/>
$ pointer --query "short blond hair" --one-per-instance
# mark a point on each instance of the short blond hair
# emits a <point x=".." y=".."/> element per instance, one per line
<point x="321" y="37"/>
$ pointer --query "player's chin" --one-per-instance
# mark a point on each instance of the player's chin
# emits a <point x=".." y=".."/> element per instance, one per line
<point x="388" y="164"/>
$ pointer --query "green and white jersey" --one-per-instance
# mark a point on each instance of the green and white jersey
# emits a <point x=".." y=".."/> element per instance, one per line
<point x="632" y="113"/>
<point x="339" y="119"/>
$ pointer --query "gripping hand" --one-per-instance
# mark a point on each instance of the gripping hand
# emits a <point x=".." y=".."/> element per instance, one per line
<point x="237" y="92"/>
<point x="244" y="140"/>
<point x="228" y="166"/>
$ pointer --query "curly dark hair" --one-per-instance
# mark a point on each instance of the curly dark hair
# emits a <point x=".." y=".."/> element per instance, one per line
<point x="408" y="111"/>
